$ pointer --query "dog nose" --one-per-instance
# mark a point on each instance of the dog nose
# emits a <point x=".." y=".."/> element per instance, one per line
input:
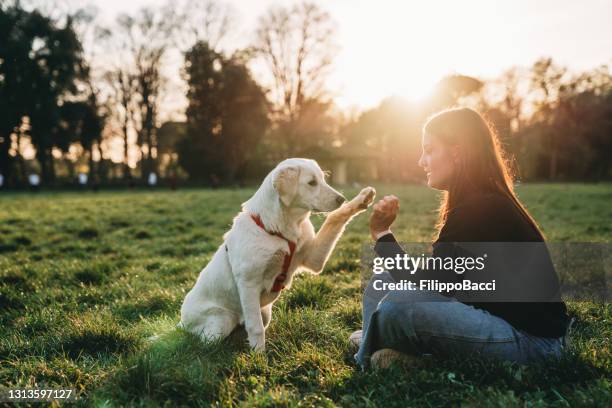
<point x="340" y="200"/>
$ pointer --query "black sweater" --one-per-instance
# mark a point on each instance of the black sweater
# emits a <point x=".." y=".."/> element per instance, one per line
<point x="489" y="217"/>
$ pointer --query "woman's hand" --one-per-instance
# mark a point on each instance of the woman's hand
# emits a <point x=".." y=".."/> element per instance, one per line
<point x="383" y="215"/>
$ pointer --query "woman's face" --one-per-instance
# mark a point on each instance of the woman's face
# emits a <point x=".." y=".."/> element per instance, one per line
<point x="438" y="162"/>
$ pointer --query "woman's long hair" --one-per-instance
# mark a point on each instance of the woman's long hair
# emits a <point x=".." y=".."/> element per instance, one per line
<point x="482" y="165"/>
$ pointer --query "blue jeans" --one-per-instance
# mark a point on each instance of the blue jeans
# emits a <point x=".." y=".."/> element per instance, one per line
<point x="426" y="322"/>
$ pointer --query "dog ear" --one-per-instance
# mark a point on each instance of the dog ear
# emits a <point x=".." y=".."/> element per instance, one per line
<point x="285" y="183"/>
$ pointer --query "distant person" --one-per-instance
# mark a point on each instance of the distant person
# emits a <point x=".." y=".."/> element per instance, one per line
<point x="82" y="180"/>
<point x="152" y="179"/>
<point x="461" y="156"/>
<point x="34" y="180"/>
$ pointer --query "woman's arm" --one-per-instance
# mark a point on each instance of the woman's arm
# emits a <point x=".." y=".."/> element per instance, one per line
<point x="383" y="215"/>
<point x="387" y="247"/>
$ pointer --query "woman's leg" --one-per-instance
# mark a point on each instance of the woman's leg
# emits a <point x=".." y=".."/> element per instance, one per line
<point x="372" y="297"/>
<point x="417" y="322"/>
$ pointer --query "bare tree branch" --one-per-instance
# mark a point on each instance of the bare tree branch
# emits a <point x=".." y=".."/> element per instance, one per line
<point x="197" y="20"/>
<point x="297" y="46"/>
<point x="144" y="40"/>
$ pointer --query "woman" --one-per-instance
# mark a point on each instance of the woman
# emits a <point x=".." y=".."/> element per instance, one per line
<point x="461" y="156"/>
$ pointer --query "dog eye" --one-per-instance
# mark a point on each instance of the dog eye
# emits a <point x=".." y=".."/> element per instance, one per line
<point x="312" y="182"/>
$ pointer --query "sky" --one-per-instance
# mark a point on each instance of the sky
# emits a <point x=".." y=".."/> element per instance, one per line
<point x="401" y="47"/>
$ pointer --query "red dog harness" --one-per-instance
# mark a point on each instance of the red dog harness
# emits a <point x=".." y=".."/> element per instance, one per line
<point x="280" y="279"/>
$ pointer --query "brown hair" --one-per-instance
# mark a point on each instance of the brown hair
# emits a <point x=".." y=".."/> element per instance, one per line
<point x="482" y="164"/>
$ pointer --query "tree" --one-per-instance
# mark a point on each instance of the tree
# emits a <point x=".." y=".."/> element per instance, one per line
<point x="297" y="46"/>
<point x="168" y="137"/>
<point x="226" y="117"/>
<point x="96" y="104"/>
<point x="392" y="129"/>
<point x="13" y="103"/>
<point x="123" y="90"/>
<point x="199" y="20"/>
<point x="81" y="123"/>
<point x="45" y="65"/>
<point x="450" y="89"/>
<point x="584" y="133"/>
<point x="547" y="85"/>
<point x="145" y="39"/>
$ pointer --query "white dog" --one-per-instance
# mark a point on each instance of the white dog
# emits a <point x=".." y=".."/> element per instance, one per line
<point x="270" y="239"/>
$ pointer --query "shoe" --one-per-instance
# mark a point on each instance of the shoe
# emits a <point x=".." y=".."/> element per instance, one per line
<point x="355" y="339"/>
<point x="383" y="358"/>
<point x="567" y="338"/>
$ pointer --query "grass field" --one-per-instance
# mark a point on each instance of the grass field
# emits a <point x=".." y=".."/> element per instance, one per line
<point x="86" y="278"/>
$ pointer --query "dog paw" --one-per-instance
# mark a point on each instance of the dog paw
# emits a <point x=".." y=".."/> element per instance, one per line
<point x="358" y="204"/>
<point x="361" y="200"/>
<point x="365" y="198"/>
<point x="257" y="342"/>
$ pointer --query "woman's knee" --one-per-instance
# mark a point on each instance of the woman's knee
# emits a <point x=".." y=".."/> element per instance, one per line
<point x="394" y="327"/>
<point x="394" y="314"/>
<point x="416" y="317"/>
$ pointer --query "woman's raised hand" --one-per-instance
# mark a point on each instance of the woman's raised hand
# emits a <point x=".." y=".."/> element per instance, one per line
<point x="383" y="214"/>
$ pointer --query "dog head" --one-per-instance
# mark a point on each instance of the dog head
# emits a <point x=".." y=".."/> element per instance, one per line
<point x="300" y="183"/>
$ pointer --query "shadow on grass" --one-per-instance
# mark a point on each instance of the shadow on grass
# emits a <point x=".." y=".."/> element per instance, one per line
<point x="471" y="381"/>
<point x="19" y="242"/>
<point x="98" y="342"/>
<point x="175" y="368"/>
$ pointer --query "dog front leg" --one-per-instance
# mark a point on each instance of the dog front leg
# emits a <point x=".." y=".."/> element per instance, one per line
<point x="251" y="310"/>
<point x="319" y="249"/>
<point x="266" y="315"/>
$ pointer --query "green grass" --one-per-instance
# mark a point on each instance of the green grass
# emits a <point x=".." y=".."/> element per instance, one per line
<point x="85" y="279"/>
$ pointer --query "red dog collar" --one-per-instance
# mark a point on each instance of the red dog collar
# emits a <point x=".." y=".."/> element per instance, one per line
<point x="280" y="279"/>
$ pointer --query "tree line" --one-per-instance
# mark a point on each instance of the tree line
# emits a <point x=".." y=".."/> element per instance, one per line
<point x="78" y="96"/>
